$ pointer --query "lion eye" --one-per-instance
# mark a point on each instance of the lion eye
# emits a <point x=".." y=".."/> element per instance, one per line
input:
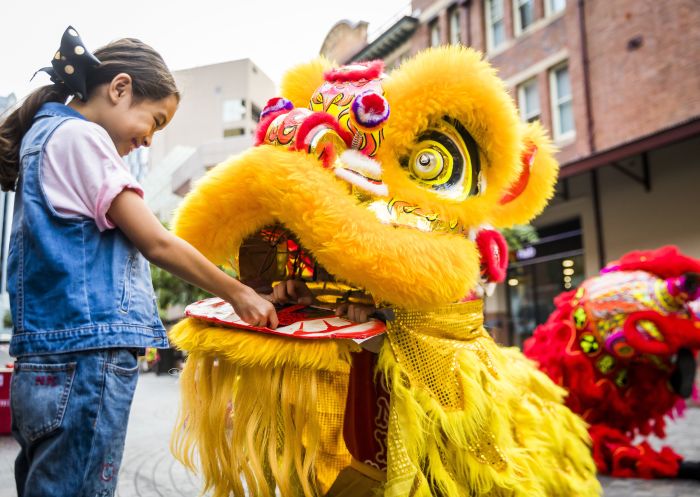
<point x="445" y="159"/>
<point x="428" y="165"/>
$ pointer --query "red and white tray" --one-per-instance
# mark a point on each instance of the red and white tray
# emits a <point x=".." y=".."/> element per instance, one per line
<point x="298" y="321"/>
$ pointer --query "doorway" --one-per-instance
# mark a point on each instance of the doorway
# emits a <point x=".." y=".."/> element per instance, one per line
<point x="541" y="271"/>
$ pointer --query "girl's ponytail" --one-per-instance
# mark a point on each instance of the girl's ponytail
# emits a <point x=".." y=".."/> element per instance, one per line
<point x="14" y="126"/>
<point x="151" y="79"/>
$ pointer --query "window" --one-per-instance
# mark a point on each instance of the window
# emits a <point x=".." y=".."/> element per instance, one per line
<point x="496" y="31"/>
<point x="524" y="11"/>
<point x="455" y="28"/>
<point x="233" y="132"/>
<point x="434" y="34"/>
<point x="184" y="188"/>
<point x="529" y="101"/>
<point x="233" y="110"/>
<point x="562" y="109"/>
<point x="255" y="112"/>
<point x="553" y="6"/>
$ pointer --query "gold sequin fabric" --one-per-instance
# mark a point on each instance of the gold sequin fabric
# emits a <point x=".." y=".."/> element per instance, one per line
<point x="468" y="417"/>
<point x="426" y="344"/>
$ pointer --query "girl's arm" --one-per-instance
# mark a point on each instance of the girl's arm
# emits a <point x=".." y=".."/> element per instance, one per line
<point x="130" y="213"/>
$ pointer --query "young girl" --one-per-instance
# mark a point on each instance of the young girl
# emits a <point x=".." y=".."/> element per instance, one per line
<point x="80" y="289"/>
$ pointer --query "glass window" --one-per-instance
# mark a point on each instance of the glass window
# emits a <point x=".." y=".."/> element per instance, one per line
<point x="233" y="132"/>
<point x="455" y="28"/>
<point x="562" y="108"/>
<point x="496" y="32"/>
<point x="541" y="271"/>
<point x="434" y="34"/>
<point x="529" y="101"/>
<point x="554" y="6"/>
<point x="524" y="11"/>
<point x="233" y="110"/>
<point x="255" y="112"/>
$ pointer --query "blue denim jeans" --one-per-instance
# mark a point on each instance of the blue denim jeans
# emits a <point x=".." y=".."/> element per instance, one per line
<point x="69" y="415"/>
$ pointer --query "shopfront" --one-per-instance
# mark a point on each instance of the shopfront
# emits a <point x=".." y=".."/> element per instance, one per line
<point x="541" y="271"/>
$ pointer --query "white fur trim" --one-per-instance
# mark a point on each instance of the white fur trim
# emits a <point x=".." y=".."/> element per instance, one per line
<point x="361" y="163"/>
<point x="378" y="190"/>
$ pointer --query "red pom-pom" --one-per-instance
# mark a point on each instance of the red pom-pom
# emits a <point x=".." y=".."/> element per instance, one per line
<point x="373" y="103"/>
<point x="494" y="255"/>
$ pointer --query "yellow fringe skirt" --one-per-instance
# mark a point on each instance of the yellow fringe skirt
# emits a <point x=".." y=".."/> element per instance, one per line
<point x="467" y="417"/>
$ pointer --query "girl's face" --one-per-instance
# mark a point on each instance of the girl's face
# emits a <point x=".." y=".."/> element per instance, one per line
<point x="129" y="121"/>
<point x="134" y="121"/>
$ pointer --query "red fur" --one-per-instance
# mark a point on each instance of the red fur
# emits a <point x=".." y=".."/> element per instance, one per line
<point x="373" y="103"/>
<point x="316" y="119"/>
<point x="616" y="414"/>
<point x="527" y="159"/>
<point x="264" y="123"/>
<point x="664" y="262"/>
<point x="494" y="255"/>
<point x="372" y="70"/>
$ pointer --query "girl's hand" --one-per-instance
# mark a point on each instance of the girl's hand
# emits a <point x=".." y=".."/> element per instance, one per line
<point x="359" y="313"/>
<point x="291" y="291"/>
<point x="133" y="217"/>
<point x="252" y="308"/>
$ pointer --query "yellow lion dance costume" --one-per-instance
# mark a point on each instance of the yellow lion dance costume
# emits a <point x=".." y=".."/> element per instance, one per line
<point x="388" y="181"/>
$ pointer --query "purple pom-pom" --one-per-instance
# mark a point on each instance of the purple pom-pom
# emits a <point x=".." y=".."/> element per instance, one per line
<point x="275" y="105"/>
<point x="370" y="110"/>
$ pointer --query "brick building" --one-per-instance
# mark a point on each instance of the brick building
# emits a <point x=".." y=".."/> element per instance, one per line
<point x="617" y="83"/>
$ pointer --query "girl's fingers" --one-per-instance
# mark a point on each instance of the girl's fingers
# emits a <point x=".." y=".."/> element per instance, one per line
<point x="280" y="293"/>
<point x="272" y="321"/>
<point x="291" y="288"/>
<point x="359" y="313"/>
<point x="342" y="309"/>
<point x="305" y="300"/>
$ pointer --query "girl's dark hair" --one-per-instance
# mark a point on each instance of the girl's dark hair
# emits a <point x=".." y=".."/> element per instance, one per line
<point x="151" y="79"/>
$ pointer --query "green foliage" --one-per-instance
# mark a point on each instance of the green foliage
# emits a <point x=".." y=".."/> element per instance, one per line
<point x="519" y="236"/>
<point x="171" y="290"/>
<point x="7" y="319"/>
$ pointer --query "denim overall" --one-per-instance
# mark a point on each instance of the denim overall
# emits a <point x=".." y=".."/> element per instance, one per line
<point x="82" y="303"/>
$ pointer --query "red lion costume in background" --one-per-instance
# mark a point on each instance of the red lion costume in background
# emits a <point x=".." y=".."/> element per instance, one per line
<point x="624" y="345"/>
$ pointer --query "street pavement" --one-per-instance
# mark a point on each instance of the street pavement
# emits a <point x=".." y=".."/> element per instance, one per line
<point x="149" y="470"/>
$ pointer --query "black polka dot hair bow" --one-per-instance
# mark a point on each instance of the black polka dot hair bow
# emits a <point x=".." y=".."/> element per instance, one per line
<point x="71" y="63"/>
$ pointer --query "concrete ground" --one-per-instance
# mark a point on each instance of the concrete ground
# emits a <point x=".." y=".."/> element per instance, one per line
<point x="149" y="470"/>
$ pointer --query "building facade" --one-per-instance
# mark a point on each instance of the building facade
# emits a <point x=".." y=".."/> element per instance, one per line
<point x="618" y="86"/>
<point x="216" y="118"/>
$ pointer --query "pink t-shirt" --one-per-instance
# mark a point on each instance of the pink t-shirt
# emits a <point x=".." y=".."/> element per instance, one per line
<point x="83" y="172"/>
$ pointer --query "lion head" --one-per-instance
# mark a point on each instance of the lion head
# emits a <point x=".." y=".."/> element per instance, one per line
<point x="394" y="183"/>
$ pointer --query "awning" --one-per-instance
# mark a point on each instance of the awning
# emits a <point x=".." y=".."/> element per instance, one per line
<point x="388" y="41"/>
<point x="658" y="139"/>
